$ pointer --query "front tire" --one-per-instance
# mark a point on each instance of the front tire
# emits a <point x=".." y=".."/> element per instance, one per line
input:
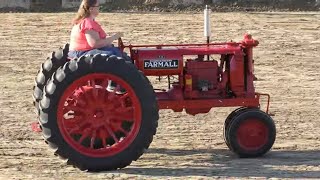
<point x="251" y="133"/>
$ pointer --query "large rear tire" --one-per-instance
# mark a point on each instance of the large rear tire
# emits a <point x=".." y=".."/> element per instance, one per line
<point x="91" y="127"/>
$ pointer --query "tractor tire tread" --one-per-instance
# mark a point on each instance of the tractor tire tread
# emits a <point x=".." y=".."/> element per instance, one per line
<point x="55" y="60"/>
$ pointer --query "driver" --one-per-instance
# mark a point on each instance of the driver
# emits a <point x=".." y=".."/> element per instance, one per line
<point x="87" y="36"/>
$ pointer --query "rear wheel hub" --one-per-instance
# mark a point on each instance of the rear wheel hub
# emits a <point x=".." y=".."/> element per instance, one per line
<point x="96" y="122"/>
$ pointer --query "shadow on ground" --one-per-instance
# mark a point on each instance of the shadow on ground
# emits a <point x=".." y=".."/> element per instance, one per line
<point x="278" y="164"/>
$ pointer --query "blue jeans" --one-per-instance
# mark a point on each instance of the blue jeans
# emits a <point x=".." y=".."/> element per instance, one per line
<point x="104" y="50"/>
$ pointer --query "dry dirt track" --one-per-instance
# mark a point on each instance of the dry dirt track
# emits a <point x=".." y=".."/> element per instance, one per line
<point x="287" y="65"/>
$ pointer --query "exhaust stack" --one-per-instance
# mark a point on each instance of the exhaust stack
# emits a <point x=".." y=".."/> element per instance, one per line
<point x="207" y="25"/>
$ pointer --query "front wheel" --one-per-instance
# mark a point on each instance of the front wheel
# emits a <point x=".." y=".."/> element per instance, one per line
<point x="251" y="133"/>
<point x="96" y="129"/>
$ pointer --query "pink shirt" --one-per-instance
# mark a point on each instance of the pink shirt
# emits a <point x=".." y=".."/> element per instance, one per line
<point x="78" y="39"/>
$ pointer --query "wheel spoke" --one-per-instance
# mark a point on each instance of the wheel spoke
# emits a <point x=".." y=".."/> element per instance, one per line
<point x="124" y="97"/>
<point x="94" y="90"/>
<point x="112" y="95"/>
<point x="92" y="82"/>
<point x="118" y="127"/>
<point x="103" y="137"/>
<point x="93" y="138"/>
<point x="77" y="128"/>
<point x="124" y="131"/>
<point x="108" y="106"/>
<point x="105" y="83"/>
<point x="123" y="100"/>
<point x="123" y="114"/>
<point x="87" y="99"/>
<point x="102" y="95"/>
<point x="125" y="109"/>
<point x="83" y="136"/>
<point x="111" y="133"/>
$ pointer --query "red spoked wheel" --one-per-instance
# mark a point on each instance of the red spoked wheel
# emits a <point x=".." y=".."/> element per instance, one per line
<point x="251" y="133"/>
<point x="95" y="124"/>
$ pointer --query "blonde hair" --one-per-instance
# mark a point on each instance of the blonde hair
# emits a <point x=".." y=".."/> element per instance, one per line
<point x="84" y="11"/>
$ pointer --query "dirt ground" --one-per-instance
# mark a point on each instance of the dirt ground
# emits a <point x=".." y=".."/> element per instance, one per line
<point x="185" y="147"/>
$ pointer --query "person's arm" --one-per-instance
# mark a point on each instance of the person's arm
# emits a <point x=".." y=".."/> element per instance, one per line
<point x="95" y="42"/>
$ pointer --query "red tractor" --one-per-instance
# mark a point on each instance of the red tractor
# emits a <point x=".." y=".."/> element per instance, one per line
<point x="96" y="128"/>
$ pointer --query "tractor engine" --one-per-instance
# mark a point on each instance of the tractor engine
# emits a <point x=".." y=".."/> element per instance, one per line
<point x="203" y="76"/>
<point x="198" y="78"/>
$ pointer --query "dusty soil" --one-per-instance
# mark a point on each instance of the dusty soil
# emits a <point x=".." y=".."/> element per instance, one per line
<point x="185" y="146"/>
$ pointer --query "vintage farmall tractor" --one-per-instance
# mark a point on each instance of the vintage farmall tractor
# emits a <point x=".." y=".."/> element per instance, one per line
<point x="96" y="128"/>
